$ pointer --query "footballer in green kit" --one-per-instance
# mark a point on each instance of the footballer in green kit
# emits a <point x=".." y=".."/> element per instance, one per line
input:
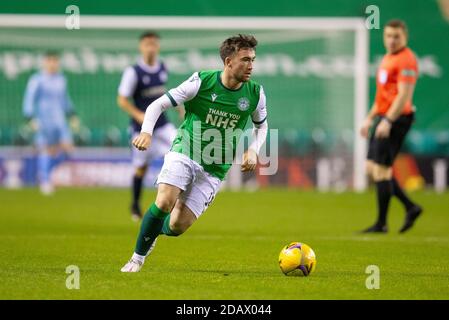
<point x="218" y="105"/>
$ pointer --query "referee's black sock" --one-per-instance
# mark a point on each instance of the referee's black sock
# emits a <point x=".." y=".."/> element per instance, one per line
<point x="384" y="190"/>
<point x="137" y="188"/>
<point x="399" y="193"/>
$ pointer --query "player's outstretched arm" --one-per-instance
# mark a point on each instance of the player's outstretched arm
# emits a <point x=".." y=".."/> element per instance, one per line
<point x="175" y="97"/>
<point x="153" y="112"/>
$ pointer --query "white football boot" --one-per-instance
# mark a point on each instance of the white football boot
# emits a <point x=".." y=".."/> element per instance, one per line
<point x="134" y="265"/>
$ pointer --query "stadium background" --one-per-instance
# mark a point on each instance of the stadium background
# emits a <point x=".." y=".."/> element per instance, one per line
<point x="312" y="108"/>
<point x="232" y="251"/>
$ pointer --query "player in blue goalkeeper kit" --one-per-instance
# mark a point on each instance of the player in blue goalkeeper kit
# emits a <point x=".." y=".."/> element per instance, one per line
<point x="46" y="105"/>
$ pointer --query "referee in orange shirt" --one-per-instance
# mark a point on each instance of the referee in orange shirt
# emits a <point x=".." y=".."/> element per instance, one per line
<point x="388" y="122"/>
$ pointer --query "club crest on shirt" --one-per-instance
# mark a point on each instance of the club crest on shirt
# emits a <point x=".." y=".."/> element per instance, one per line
<point x="243" y="104"/>
<point x="383" y="76"/>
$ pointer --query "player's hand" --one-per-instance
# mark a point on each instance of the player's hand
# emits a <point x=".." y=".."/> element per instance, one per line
<point x="75" y="124"/>
<point x="364" y="130"/>
<point x="142" y="141"/>
<point x="33" y="125"/>
<point x="383" y="130"/>
<point x="249" y="161"/>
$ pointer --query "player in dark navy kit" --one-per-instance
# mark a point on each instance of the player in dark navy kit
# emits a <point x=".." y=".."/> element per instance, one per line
<point x="141" y="84"/>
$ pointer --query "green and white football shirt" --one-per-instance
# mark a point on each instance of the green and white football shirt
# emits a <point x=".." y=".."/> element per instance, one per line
<point x="215" y="118"/>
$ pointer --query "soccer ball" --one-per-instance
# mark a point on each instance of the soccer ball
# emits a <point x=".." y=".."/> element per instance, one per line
<point x="297" y="259"/>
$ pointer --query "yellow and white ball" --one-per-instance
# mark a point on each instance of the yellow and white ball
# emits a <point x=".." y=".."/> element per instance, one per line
<point x="297" y="259"/>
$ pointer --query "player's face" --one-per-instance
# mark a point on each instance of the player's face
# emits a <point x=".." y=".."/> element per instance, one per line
<point x="394" y="39"/>
<point x="149" y="48"/>
<point x="51" y="64"/>
<point x="241" y="64"/>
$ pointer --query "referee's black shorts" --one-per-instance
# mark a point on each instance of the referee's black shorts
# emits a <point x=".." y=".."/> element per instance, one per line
<point x="384" y="151"/>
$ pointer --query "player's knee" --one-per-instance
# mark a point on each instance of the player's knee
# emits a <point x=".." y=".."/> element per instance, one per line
<point x="164" y="203"/>
<point x="166" y="197"/>
<point x="381" y="172"/>
<point x="140" y="172"/>
<point x="369" y="169"/>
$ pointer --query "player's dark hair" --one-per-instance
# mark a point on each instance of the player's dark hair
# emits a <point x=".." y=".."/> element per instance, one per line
<point x="149" y="34"/>
<point x="51" y="54"/>
<point x="397" y="23"/>
<point x="233" y="44"/>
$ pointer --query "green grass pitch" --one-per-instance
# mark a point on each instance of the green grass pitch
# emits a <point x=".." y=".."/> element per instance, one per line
<point x="231" y="252"/>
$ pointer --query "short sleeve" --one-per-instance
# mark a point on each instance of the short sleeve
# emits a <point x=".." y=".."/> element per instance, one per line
<point x="128" y="83"/>
<point x="408" y="70"/>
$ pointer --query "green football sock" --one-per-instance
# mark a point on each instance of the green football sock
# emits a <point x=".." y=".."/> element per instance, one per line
<point x="149" y="230"/>
<point x="166" y="228"/>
